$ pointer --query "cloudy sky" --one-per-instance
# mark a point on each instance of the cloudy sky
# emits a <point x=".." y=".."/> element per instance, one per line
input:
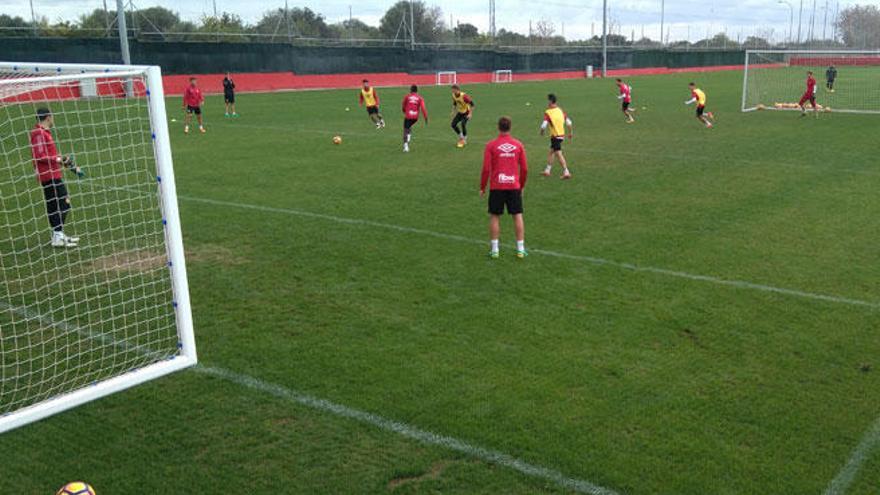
<point x="577" y="18"/>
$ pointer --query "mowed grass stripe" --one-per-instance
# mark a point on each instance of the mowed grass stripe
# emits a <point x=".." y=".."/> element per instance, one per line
<point x="740" y="284"/>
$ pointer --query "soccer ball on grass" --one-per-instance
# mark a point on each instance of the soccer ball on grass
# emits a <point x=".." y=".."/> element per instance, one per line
<point x="76" y="488"/>
<point x="337" y="139"/>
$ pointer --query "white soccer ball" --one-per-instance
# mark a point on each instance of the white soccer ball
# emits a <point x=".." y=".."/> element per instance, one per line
<point x="347" y="109"/>
<point x="173" y="120"/>
<point x="528" y="104"/>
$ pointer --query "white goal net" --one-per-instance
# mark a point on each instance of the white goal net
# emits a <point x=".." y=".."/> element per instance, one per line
<point x="502" y="76"/>
<point x="447" y="77"/>
<point x="93" y="297"/>
<point x="846" y="81"/>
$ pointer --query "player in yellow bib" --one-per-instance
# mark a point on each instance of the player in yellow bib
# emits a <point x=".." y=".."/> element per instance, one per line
<point x="370" y="99"/>
<point x="699" y="97"/>
<point x="463" y="109"/>
<point x="556" y="121"/>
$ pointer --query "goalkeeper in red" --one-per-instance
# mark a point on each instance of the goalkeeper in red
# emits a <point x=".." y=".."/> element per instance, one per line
<point x="809" y="96"/>
<point x="48" y="166"/>
<point x="505" y="171"/>
<point x="413" y="105"/>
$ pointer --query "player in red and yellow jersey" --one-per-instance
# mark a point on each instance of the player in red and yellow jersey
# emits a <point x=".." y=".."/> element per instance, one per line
<point x="369" y="97"/>
<point x="413" y="105"/>
<point x="463" y="108"/>
<point x="556" y="121"/>
<point x="809" y="95"/>
<point x="699" y="97"/>
<point x="505" y="170"/>
<point x="625" y="95"/>
<point x="47" y="165"/>
<point x="192" y="104"/>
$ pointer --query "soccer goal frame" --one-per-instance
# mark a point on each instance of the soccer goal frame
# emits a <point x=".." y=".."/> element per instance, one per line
<point x="178" y="311"/>
<point x="502" y="76"/>
<point x="446" y="78"/>
<point x="761" y="92"/>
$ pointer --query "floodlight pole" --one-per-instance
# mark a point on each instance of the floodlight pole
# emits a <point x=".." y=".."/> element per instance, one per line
<point x="662" y="20"/>
<point x="790" y="16"/>
<point x="800" y="18"/>
<point x="604" y="38"/>
<point x="412" y="25"/>
<point x="34" y="19"/>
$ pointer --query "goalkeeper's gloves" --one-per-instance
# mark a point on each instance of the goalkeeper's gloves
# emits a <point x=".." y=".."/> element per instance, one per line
<point x="68" y="162"/>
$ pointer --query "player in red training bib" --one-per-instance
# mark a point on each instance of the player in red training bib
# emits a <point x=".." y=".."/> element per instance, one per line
<point x="809" y="96"/>
<point x="626" y="97"/>
<point x="505" y="171"/>
<point x="192" y="104"/>
<point x="413" y="105"/>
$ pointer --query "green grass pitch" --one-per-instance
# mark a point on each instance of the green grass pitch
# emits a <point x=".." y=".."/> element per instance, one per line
<point x="615" y="354"/>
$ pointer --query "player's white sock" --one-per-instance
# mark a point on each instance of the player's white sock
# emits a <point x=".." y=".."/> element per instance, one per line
<point x="548" y="168"/>
<point x="520" y="245"/>
<point x="494" y="245"/>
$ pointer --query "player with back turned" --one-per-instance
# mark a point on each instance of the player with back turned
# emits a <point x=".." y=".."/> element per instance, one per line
<point x="48" y="167"/>
<point x="413" y="105"/>
<point x="505" y="171"/>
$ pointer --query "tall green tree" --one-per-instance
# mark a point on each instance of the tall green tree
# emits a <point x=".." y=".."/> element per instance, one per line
<point x="303" y="22"/>
<point x="428" y="21"/>
<point x="859" y="26"/>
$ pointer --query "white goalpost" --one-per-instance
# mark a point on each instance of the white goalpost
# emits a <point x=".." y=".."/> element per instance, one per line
<point x="81" y="319"/>
<point x="847" y="81"/>
<point x="447" y="77"/>
<point x="502" y="76"/>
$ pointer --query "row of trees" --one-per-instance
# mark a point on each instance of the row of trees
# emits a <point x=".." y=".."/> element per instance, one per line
<point x="857" y="26"/>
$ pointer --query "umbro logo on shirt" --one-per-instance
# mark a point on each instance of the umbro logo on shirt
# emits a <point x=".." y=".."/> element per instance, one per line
<point x="507" y="147"/>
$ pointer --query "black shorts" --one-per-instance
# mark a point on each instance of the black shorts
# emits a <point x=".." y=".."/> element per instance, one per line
<point x="54" y="190"/>
<point x="511" y="198"/>
<point x="460" y="117"/>
<point x="229" y="97"/>
<point x="408" y="123"/>
<point x="374" y="110"/>
<point x="195" y="110"/>
<point x="625" y="106"/>
<point x="700" y="110"/>
<point x="556" y="143"/>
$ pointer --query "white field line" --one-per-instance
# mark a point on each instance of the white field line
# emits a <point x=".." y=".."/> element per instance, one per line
<point x="325" y="406"/>
<point x="870" y="441"/>
<point x="407" y="431"/>
<point x="739" y="284"/>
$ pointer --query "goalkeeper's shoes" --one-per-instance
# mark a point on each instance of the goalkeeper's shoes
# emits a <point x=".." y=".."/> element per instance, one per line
<point x="202" y="130"/>
<point x="494" y="255"/>
<point x="406" y="147"/>
<point x="186" y="129"/>
<point x="226" y="115"/>
<point x="60" y="240"/>
<point x="521" y="253"/>
<point x="234" y="115"/>
<point x="566" y="175"/>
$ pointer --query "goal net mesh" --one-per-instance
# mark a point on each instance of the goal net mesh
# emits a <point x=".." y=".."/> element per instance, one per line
<point x="776" y="80"/>
<point x="74" y="316"/>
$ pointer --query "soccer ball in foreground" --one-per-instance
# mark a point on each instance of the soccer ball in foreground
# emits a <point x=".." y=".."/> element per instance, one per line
<point x="337" y="140"/>
<point x="76" y="488"/>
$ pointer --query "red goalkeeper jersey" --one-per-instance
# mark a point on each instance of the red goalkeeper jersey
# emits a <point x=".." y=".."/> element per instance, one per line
<point x="45" y="155"/>
<point x="413" y="104"/>
<point x="504" y="164"/>
<point x="811" y="85"/>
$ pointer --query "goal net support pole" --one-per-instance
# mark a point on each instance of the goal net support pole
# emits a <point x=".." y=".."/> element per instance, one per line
<point x="776" y="80"/>
<point x="80" y="323"/>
